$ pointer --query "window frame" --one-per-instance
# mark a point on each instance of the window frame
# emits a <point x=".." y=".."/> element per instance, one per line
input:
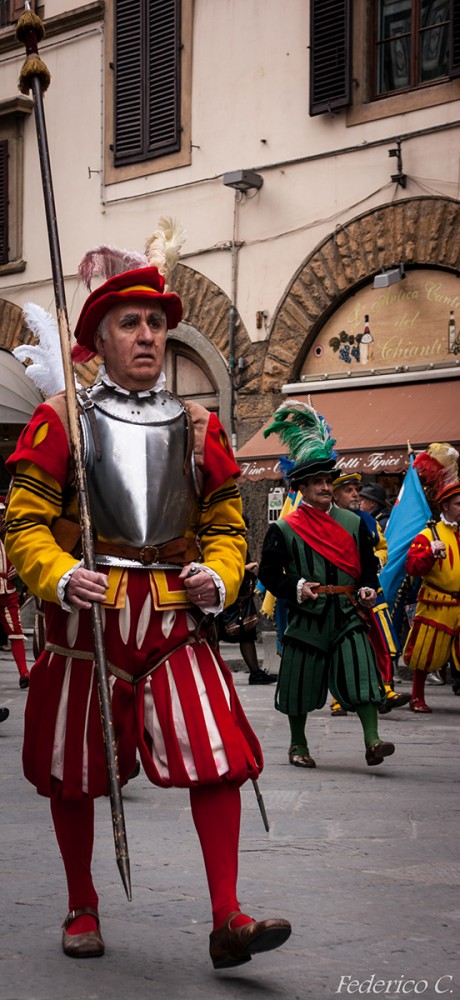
<point x="416" y="38"/>
<point x="13" y="112"/>
<point x="367" y="107"/>
<point x="154" y="164"/>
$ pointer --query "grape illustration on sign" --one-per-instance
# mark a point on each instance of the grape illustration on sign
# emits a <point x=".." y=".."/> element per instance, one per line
<point x="357" y="348"/>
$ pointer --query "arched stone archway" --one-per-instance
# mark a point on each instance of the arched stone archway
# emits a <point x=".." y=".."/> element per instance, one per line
<point x="205" y="349"/>
<point x="416" y="231"/>
<point x="207" y="309"/>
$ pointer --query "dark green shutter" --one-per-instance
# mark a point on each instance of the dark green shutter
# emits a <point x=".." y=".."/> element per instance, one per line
<point x="147" y="79"/>
<point x="330" y="55"/>
<point x="3" y="201"/>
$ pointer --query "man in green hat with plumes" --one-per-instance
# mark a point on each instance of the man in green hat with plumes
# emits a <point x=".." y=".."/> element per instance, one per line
<point x="320" y="559"/>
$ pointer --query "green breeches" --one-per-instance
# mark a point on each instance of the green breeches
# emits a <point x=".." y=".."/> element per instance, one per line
<point x="347" y="669"/>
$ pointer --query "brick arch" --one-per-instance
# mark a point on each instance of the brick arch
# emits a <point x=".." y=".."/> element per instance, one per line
<point x="207" y="309"/>
<point x="416" y="231"/>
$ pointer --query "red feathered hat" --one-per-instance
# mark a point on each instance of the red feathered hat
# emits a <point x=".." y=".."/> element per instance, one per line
<point x="143" y="283"/>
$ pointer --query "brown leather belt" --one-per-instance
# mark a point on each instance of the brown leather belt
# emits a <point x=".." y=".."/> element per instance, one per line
<point x="329" y="588"/>
<point x="173" y="551"/>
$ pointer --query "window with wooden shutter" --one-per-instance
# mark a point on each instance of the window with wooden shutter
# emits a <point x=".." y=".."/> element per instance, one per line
<point x="147" y="79"/>
<point x="3" y="201"/>
<point x="330" y="55"/>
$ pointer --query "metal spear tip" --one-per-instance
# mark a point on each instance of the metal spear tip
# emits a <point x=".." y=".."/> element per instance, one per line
<point x="123" y="868"/>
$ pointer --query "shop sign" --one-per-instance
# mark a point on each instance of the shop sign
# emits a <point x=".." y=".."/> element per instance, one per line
<point x="370" y="463"/>
<point x="411" y="323"/>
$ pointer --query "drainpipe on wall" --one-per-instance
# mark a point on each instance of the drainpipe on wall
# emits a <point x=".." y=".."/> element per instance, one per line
<point x="233" y="314"/>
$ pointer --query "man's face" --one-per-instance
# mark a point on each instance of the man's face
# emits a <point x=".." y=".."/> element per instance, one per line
<point x="317" y="491"/>
<point x="133" y="345"/>
<point x="367" y="505"/>
<point x="347" y="496"/>
<point x="451" y="508"/>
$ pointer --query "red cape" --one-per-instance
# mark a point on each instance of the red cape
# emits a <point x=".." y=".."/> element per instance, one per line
<point x="326" y="536"/>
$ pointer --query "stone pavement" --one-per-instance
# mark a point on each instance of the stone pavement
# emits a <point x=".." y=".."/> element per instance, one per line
<point x="363" y="861"/>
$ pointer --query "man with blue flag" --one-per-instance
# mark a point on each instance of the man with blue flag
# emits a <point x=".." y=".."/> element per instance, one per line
<point x="434" y="556"/>
<point x="409" y="515"/>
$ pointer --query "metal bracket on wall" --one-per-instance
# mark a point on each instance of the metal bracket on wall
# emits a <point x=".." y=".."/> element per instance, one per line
<point x="400" y="177"/>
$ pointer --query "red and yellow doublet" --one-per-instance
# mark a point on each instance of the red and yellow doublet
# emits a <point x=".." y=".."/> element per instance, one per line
<point x="435" y="633"/>
<point x="172" y="696"/>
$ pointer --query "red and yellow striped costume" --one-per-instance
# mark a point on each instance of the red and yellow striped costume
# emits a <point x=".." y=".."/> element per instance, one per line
<point x="435" y="633"/>
<point x="173" y="698"/>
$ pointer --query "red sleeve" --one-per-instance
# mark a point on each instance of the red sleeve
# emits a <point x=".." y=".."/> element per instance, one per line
<point x="52" y="454"/>
<point x="420" y="558"/>
<point x="219" y="463"/>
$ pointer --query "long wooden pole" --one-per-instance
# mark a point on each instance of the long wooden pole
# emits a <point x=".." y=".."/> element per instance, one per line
<point x="35" y="77"/>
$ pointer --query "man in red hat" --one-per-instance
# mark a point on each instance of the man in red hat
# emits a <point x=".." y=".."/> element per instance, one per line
<point x="434" y="555"/>
<point x="170" y="549"/>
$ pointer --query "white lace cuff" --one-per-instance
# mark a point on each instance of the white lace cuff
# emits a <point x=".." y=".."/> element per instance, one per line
<point x="60" y="589"/>
<point x="299" y="590"/>
<point x="213" y="609"/>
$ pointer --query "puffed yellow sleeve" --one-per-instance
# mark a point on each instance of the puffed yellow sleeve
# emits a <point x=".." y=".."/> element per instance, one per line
<point x="222" y="536"/>
<point x="381" y="549"/>
<point x="35" y="504"/>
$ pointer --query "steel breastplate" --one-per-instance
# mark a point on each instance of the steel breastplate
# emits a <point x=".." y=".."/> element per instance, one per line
<point x="134" y="449"/>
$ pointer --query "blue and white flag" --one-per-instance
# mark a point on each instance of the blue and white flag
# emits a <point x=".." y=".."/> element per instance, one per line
<point x="409" y="516"/>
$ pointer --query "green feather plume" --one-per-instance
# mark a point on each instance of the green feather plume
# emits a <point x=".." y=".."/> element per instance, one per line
<point x="303" y="430"/>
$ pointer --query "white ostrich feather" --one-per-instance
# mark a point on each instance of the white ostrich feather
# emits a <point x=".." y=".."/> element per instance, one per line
<point x="164" y="246"/>
<point x="105" y="261"/>
<point x="46" y="368"/>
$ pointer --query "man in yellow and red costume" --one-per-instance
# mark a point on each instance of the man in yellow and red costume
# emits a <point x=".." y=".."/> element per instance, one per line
<point x="434" y="555"/>
<point x="164" y="502"/>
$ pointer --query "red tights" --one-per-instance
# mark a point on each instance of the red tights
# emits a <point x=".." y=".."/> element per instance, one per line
<point x="18" y="650"/>
<point x="216" y="811"/>
<point x="418" y="686"/>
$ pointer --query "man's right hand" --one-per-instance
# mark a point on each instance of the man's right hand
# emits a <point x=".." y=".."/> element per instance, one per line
<point x="308" y="590"/>
<point x="86" y="586"/>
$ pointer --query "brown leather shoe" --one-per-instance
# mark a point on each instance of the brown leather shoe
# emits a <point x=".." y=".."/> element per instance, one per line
<point x="377" y="753"/>
<point x="86" y="945"/>
<point x="300" y="757"/>
<point x="230" y="946"/>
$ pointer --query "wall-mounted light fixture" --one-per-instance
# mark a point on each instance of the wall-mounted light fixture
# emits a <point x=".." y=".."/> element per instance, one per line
<point x="390" y="277"/>
<point x="243" y="180"/>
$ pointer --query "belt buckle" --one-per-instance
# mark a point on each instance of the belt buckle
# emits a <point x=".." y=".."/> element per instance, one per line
<point x="330" y="589"/>
<point x="149" y="554"/>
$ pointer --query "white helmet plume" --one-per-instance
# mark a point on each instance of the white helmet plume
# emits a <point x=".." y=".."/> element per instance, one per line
<point x="163" y="247"/>
<point x="46" y="368"/>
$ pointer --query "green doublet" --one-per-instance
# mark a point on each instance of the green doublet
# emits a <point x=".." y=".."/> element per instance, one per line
<point x="325" y="644"/>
